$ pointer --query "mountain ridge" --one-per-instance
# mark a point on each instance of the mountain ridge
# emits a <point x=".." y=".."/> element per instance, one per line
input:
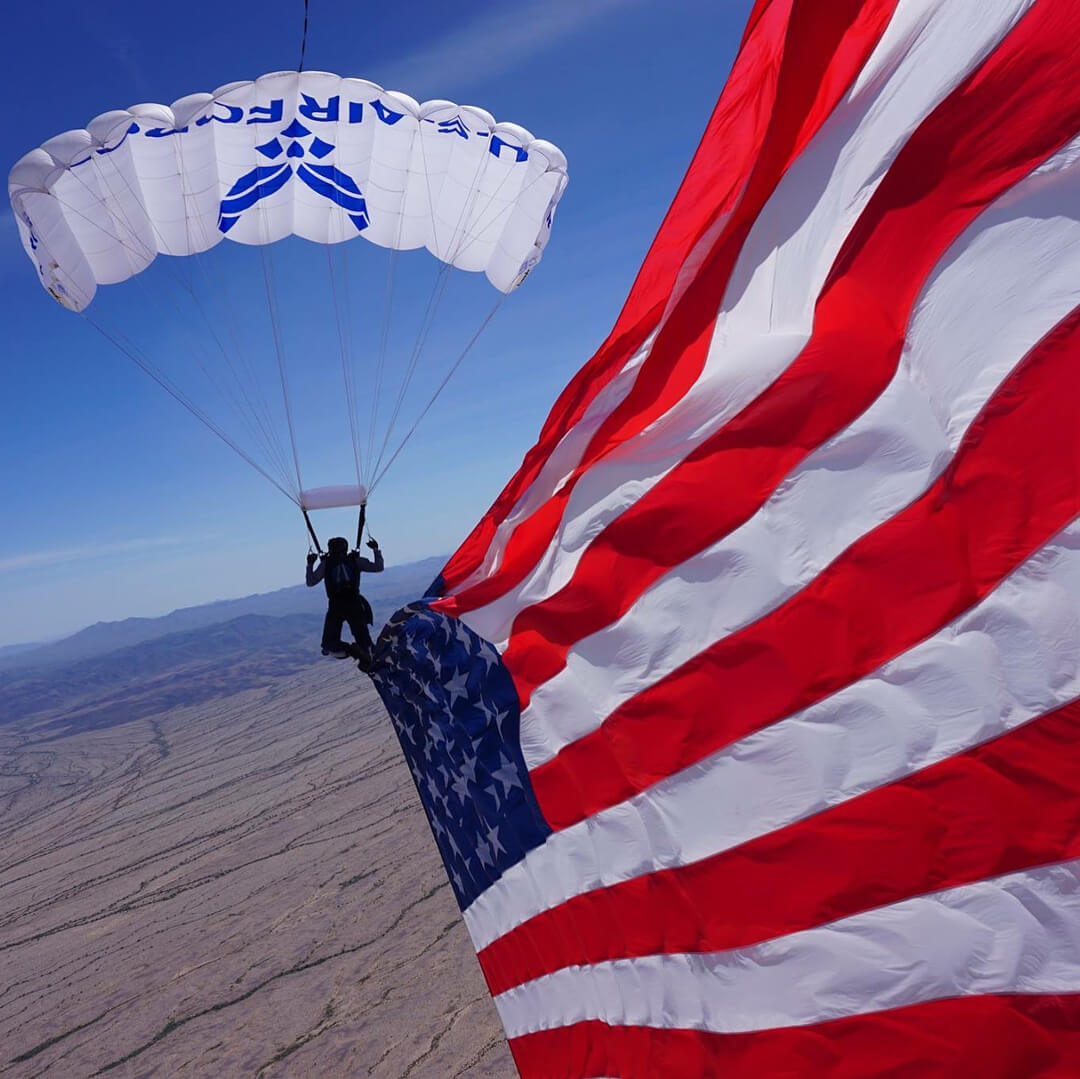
<point x="175" y="670"/>
<point x="384" y="591"/>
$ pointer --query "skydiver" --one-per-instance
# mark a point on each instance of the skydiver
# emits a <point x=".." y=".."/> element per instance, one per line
<point x="339" y="569"/>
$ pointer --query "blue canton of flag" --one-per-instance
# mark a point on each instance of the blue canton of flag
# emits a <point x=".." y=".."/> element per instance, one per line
<point x="457" y="717"/>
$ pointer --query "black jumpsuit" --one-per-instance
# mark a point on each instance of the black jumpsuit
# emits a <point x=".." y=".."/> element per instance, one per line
<point x="345" y="604"/>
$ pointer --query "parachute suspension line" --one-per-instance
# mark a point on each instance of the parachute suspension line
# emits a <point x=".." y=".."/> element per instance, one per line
<point x="435" y="396"/>
<point x="384" y="338"/>
<point x="128" y="348"/>
<point x="303" y="40"/>
<point x="135" y="355"/>
<point x="379" y="469"/>
<point x="439" y="290"/>
<point x="257" y="404"/>
<point x="233" y="392"/>
<point x="434" y="300"/>
<point x="468" y="239"/>
<point x="264" y="431"/>
<point x="276" y="460"/>
<point x="350" y="351"/>
<point x="268" y="282"/>
<point x="144" y="362"/>
<point x="268" y="279"/>
<point x="462" y="245"/>
<point x="346" y="367"/>
<point x="387" y="312"/>
<point x="140" y="255"/>
<point x="461" y="228"/>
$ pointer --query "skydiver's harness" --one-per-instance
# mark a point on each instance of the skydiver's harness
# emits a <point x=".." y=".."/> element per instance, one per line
<point x="342" y="575"/>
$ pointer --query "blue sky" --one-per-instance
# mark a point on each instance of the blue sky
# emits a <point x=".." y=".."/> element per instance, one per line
<point x="118" y="503"/>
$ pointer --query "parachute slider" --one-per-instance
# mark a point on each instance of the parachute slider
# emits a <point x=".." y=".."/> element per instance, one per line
<point x="326" y="498"/>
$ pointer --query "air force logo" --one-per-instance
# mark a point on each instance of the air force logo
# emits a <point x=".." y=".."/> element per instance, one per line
<point x="291" y="158"/>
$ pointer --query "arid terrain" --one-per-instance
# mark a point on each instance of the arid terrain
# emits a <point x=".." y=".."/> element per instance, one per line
<point x="201" y="882"/>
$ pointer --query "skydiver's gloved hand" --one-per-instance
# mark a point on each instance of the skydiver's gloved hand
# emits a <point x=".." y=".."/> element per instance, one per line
<point x="311" y="558"/>
<point x="373" y="544"/>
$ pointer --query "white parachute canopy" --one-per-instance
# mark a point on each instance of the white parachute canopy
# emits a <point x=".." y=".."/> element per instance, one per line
<point x="307" y="153"/>
<point x="291" y="154"/>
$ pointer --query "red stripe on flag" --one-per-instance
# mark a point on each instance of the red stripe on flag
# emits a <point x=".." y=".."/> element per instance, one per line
<point x="986" y="1037"/>
<point x="1014" y="483"/>
<point x="824" y="50"/>
<point x="1010" y="804"/>
<point x="756" y="14"/>
<point x="985" y="137"/>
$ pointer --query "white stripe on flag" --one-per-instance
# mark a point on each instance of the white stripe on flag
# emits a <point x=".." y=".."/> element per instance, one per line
<point x="1018" y="933"/>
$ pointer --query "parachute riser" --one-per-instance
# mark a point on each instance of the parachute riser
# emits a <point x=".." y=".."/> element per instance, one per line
<point x="311" y="529"/>
<point x="360" y="524"/>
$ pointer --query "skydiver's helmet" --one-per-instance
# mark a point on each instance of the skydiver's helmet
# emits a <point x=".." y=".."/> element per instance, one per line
<point x="338" y="547"/>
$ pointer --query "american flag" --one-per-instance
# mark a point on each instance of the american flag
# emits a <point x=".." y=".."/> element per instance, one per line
<point x="748" y="718"/>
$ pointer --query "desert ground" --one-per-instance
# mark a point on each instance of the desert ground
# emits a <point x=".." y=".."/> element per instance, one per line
<point x="242" y="886"/>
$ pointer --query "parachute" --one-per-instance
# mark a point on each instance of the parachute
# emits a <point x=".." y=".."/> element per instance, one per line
<point x="747" y="719"/>
<point x="305" y="154"/>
